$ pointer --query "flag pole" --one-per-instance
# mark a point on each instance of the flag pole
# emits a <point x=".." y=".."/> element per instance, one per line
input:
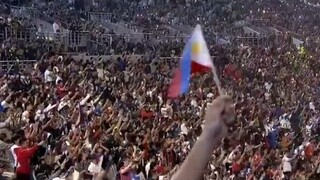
<point x="216" y="80"/>
<point x="213" y="69"/>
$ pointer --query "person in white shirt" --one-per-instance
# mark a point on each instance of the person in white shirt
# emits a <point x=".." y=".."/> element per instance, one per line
<point x="5" y="104"/>
<point x="26" y="114"/>
<point x="15" y="140"/>
<point x="286" y="165"/>
<point x="95" y="168"/>
<point x="49" y="75"/>
<point x="56" y="27"/>
<point x="229" y="159"/>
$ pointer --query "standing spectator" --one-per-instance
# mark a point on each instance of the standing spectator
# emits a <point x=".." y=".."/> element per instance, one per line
<point x="49" y="75"/>
<point x="24" y="154"/>
<point x="15" y="141"/>
<point x="56" y="27"/>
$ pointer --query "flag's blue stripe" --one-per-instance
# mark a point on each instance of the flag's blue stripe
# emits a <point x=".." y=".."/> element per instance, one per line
<point x="186" y="68"/>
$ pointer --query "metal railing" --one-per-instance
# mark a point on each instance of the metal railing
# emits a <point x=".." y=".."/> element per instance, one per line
<point x="51" y="36"/>
<point x="180" y="39"/>
<point x="99" y="17"/>
<point x="78" y="38"/>
<point x="26" y="35"/>
<point x="141" y="37"/>
<point x="75" y="39"/>
<point x="104" y="57"/>
<point x="251" y="41"/>
<point x="70" y="38"/>
<point x="175" y="59"/>
<point x="7" y="65"/>
<point x="259" y="22"/>
<point x="104" y="38"/>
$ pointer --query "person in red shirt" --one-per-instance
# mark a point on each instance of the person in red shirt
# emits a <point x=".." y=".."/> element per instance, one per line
<point x="61" y="90"/>
<point x="24" y="155"/>
<point x="126" y="171"/>
<point x="146" y="113"/>
<point x="257" y="159"/>
<point x="309" y="150"/>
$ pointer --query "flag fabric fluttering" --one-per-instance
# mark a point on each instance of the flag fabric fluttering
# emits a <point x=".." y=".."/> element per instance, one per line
<point x="195" y="59"/>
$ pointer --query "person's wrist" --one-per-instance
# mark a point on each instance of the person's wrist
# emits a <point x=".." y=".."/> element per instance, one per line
<point x="217" y="131"/>
<point x="208" y="141"/>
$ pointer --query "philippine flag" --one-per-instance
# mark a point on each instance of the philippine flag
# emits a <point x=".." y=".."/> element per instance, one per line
<point x="195" y="59"/>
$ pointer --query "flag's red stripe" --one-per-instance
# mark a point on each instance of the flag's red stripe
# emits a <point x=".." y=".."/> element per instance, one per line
<point x="175" y="87"/>
<point x="198" y="68"/>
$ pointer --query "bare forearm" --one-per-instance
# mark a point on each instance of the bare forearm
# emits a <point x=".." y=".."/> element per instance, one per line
<point x="126" y="169"/>
<point x="220" y="114"/>
<point x="3" y="124"/>
<point x="195" y="164"/>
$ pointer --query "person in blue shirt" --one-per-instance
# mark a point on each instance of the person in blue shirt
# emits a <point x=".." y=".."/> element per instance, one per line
<point x="272" y="137"/>
<point x="121" y="64"/>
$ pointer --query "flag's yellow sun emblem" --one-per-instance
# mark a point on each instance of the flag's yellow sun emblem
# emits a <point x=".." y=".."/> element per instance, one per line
<point x="196" y="48"/>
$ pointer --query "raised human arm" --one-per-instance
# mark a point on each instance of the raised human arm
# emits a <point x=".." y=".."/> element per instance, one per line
<point x="217" y="117"/>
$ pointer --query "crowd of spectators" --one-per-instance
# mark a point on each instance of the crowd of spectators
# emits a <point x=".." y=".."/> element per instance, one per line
<point x="111" y="119"/>
<point x="13" y="48"/>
